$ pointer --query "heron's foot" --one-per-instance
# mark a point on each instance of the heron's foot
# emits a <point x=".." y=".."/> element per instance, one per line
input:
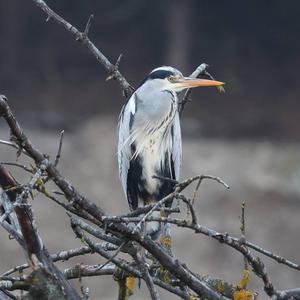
<point x="164" y="275"/>
<point x="165" y="238"/>
<point x="142" y="253"/>
<point x="166" y="242"/>
<point x="130" y="284"/>
<point x="126" y="284"/>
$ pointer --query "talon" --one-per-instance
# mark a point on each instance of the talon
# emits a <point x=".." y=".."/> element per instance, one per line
<point x="130" y="284"/>
<point x="163" y="213"/>
<point x="166" y="241"/>
<point x="164" y="274"/>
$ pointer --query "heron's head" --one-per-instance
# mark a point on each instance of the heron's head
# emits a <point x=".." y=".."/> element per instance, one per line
<point x="170" y="79"/>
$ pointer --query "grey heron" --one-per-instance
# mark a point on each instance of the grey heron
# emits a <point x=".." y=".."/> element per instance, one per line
<point x="150" y="138"/>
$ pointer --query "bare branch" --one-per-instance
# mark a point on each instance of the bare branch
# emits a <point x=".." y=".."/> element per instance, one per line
<point x="102" y="236"/>
<point x="199" y="70"/>
<point x="89" y="270"/>
<point x="206" y="231"/>
<point x="84" y="39"/>
<point x="276" y="257"/>
<point x="60" y="256"/>
<point x="37" y="255"/>
<point x="183" y="185"/>
<point x="4" y="295"/>
<point x="59" y="148"/>
<point x="243" y="230"/>
<point x="293" y="294"/>
<point x="70" y="192"/>
<point x="13" y="228"/>
<point x="190" y="206"/>
<point x="123" y="265"/>
<point x="88" y="25"/>
<point x="13" y="145"/>
<point x="29" y="170"/>
<point x="121" y="230"/>
<point x="157" y="205"/>
<point x="148" y="279"/>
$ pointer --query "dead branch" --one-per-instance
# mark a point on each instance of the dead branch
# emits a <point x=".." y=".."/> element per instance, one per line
<point x="4" y="295"/>
<point x="59" y="148"/>
<point x="60" y="256"/>
<point x="199" y="71"/>
<point x="148" y="279"/>
<point x="125" y="232"/>
<point x="112" y="70"/>
<point x="36" y="253"/>
<point x="85" y="205"/>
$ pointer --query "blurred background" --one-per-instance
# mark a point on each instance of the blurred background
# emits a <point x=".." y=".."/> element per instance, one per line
<point x="249" y="136"/>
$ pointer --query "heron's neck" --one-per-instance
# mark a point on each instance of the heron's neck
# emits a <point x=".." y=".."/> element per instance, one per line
<point x="154" y="121"/>
<point x="168" y="117"/>
<point x="153" y="105"/>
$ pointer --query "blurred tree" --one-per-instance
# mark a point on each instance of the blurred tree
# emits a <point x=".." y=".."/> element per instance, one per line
<point x="253" y="45"/>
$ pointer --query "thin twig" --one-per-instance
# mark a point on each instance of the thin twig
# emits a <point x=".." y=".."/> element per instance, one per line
<point x="207" y="231"/>
<point x="88" y="25"/>
<point x="155" y="206"/>
<point x="25" y="191"/>
<point x="183" y="185"/>
<point x="292" y="294"/>
<point x="59" y="148"/>
<point x="199" y="70"/>
<point x="98" y="233"/>
<point x="84" y="39"/>
<point x="122" y="231"/>
<point x="13" y="145"/>
<point x="256" y="263"/>
<point x="119" y="249"/>
<point x="29" y="170"/>
<point x="97" y="270"/>
<point x="5" y="295"/>
<point x="123" y="265"/>
<point x="146" y="276"/>
<point x="59" y="256"/>
<point x="190" y="206"/>
<point x="243" y="230"/>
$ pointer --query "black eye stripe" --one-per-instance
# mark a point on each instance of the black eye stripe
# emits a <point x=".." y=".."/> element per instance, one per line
<point x="160" y="74"/>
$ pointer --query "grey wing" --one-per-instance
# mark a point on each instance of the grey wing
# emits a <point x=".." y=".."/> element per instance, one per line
<point x="124" y="148"/>
<point x="177" y="146"/>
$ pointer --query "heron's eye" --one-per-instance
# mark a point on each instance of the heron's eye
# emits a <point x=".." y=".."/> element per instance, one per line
<point x="172" y="78"/>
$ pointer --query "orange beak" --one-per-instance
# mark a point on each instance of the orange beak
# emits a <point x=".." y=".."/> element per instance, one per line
<point x="187" y="83"/>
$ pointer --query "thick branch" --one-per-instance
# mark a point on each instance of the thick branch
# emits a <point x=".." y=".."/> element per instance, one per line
<point x="148" y="279"/>
<point x="120" y="230"/>
<point x="124" y="265"/>
<point x="5" y="296"/>
<point x="169" y="263"/>
<point x="37" y="255"/>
